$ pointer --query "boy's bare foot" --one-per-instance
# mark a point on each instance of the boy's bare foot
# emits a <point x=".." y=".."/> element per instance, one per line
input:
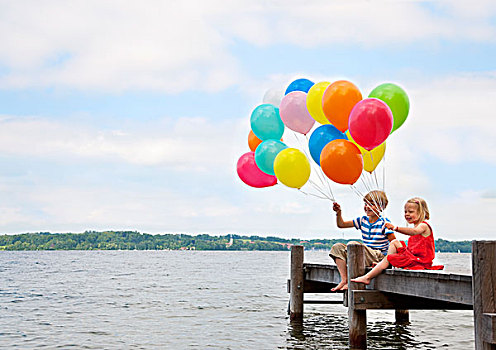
<point x="361" y="279"/>
<point x="341" y="286"/>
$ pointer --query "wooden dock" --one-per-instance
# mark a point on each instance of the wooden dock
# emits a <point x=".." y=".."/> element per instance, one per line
<point x="402" y="290"/>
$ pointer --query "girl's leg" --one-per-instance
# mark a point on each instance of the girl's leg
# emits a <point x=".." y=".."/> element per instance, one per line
<point x="365" y="279"/>
<point x="376" y="271"/>
<point x="393" y="246"/>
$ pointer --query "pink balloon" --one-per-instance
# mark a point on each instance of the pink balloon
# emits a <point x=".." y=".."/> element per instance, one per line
<point x="294" y="113"/>
<point x="251" y="175"/>
<point x="370" y="123"/>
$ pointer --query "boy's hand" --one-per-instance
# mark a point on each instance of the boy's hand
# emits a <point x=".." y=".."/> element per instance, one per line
<point x="389" y="226"/>
<point x="336" y="207"/>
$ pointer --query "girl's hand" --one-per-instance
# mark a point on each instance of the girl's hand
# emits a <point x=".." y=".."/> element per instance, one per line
<point x="336" y="207"/>
<point x="389" y="226"/>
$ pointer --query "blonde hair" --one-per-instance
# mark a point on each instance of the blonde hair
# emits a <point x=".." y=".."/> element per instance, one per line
<point x="377" y="198"/>
<point x="423" y="209"/>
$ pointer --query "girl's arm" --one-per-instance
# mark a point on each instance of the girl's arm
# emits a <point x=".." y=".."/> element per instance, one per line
<point x="339" y="219"/>
<point x="421" y="229"/>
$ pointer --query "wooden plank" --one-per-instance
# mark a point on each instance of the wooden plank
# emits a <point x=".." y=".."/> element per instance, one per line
<point x="489" y="328"/>
<point x="373" y="299"/>
<point x="443" y="287"/>
<point x="484" y="289"/>
<point x="322" y="273"/>
<point x="296" y="286"/>
<point x="357" y="319"/>
<point x="426" y="284"/>
<point x="310" y="301"/>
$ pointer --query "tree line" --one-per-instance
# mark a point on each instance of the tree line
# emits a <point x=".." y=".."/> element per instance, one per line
<point x="133" y="240"/>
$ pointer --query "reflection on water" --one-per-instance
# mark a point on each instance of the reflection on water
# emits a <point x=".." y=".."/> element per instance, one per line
<point x="330" y="331"/>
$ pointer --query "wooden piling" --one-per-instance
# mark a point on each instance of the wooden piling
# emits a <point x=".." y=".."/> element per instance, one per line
<point x="402" y="316"/>
<point x="357" y="319"/>
<point x="296" y="285"/>
<point x="483" y="291"/>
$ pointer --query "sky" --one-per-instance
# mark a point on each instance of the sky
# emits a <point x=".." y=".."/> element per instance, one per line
<point x="127" y="115"/>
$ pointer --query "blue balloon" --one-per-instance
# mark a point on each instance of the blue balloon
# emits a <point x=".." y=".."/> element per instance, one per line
<point x="299" y="85"/>
<point x="321" y="137"/>
<point x="265" y="154"/>
<point x="266" y="123"/>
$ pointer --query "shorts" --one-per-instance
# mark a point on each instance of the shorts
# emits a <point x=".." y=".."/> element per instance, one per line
<point x="338" y="250"/>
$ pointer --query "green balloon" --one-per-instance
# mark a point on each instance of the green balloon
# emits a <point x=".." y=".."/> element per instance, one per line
<point x="396" y="98"/>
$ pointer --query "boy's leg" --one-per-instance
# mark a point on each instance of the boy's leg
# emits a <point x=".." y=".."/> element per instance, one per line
<point x="339" y="254"/>
<point x="343" y="272"/>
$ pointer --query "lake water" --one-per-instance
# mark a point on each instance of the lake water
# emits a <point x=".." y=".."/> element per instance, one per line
<point x="191" y="300"/>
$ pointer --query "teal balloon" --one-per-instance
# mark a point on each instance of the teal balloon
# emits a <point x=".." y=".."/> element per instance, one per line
<point x="266" y="123"/>
<point x="265" y="154"/>
<point x="397" y="100"/>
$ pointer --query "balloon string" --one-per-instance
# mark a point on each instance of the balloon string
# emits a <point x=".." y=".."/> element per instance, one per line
<point x="312" y="194"/>
<point x="378" y="213"/>
<point x="320" y="173"/>
<point x="313" y="166"/>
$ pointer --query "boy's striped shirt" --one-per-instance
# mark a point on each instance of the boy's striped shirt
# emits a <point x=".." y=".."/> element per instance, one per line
<point x="374" y="235"/>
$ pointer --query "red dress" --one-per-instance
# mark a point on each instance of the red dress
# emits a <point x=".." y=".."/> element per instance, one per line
<point x="418" y="255"/>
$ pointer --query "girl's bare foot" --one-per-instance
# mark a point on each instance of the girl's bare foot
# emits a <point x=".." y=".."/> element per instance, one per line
<point x="343" y="285"/>
<point x="374" y="264"/>
<point x="361" y="279"/>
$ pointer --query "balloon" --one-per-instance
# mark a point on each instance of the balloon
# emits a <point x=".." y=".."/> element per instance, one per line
<point x="266" y="153"/>
<point x="292" y="168"/>
<point x="266" y="122"/>
<point x="338" y="101"/>
<point x="370" y="158"/>
<point x="253" y="141"/>
<point x="294" y="113"/>
<point x="273" y="96"/>
<point x="251" y="175"/>
<point x="299" y="85"/>
<point x="314" y="101"/>
<point x="342" y="162"/>
<point x="371" y="122"/>
<point x="321" y="137"/>
<point x="396" y="98"/>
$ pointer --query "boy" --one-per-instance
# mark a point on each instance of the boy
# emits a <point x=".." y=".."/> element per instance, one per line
<point x="375" y="235"/>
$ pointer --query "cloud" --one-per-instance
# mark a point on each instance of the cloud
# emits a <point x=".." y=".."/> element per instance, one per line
<point x="181" y="46"/>
<point x="185" y="143"/>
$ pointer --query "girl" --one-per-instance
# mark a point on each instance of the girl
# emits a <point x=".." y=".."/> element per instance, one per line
<point x="419" y="253"/>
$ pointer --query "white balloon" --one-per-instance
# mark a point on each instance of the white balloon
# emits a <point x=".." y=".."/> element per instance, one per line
<point x="273" y="96"/>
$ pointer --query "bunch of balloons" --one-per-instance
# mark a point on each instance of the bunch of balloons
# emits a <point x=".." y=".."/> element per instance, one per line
<point x="349" y="132"/>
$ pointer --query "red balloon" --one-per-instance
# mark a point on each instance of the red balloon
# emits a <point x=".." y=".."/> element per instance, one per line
<point x="341" y="161"/>
<point x="371" y="122"/>
<point x="251" y="175"/>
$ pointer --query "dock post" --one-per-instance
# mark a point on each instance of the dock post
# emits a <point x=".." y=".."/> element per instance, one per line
<point x="402" y="316"/>
<point x="296" y="285"/>
<point x="483" y="289"/>
<point x="357" y="319"/>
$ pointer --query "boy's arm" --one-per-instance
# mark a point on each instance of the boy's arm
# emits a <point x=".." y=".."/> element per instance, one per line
<point x="391" y="237"/>
<point x="339" y="219"/>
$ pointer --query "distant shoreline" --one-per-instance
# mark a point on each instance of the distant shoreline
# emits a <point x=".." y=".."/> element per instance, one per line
<point x="132" y="240"/>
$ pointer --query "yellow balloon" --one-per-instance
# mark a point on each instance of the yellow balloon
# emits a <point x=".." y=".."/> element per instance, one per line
<point x="292" y="168"/>
<point x="314" y="101"/>
<point x="371" y="159"/>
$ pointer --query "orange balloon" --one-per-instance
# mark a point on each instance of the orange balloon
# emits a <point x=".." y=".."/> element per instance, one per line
<point x="337" y="102"/>
<point x="342" y="162"/>
<point x="253" y="141"/>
